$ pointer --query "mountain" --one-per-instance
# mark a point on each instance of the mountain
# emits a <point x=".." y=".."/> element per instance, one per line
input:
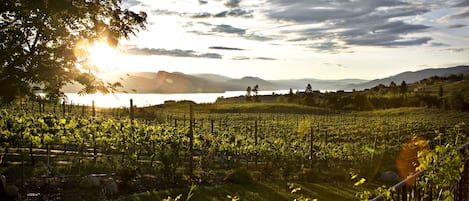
<point x="243" y="83"/>
<point x="176" y="82"/>
<point x="213" y="77"/>
<point x="410" y="77"/>
<point x="164" y="82"/>
<point x="317" y="84"/>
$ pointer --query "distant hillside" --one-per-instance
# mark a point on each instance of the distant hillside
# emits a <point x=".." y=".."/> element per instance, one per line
<point x="176" y="82"/>
<point x="243" y="83"/>
<point x="164" y="82"/>
<point x="317" y="84"/>
<point x="213" y="77"/>
<point x="411" y="77"/>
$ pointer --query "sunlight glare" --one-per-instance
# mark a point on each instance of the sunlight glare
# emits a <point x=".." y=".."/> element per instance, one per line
<point x="102" y="57"/>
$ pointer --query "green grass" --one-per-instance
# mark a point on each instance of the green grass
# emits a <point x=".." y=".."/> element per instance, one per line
<point x="256" y="192"/>
<point x="266" y="108"/>
<point x="236" y="107"/>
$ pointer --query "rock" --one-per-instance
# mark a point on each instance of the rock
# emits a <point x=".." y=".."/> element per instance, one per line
<point x="89" y="182"/>
<point x="111" y="187"/>
<point x="389" y="176"/>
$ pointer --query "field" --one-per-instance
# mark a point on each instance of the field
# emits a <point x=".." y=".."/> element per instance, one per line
<point x="222" y="149"/>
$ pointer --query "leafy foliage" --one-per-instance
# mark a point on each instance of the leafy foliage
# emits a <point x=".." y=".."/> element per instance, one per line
<point x="39" y="43"/>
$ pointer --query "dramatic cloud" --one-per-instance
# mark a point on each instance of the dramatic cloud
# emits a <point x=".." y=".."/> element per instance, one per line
<point x="232" y="3"/>
<point x="172" y="53"/>
<point x="224" y="48"/>
<point x="360" y="22"/>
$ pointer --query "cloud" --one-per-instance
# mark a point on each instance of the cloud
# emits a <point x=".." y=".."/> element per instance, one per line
<point x="240" y="58"/>
<point x="224" y="48"/>
<point x="392" y="42"/>
<point x="454" y="50"/>
<point x="265" y="58"/>
<point x="462" y="15"/>
<point x="202" y="2"/>
<point x="132" y="3"/>
<point x="238" y="12"/>
<point x="200" y="15"/>
<point x="232" y="3"/>
<point x="224" y="28"/>
<point x="172" y="53"/>
<point x="326" y="10"/>
<point x="327" y="47"/>
<point x="439" y="45"/>
<point x="164" y="12"/>
<point x="463" y="3"/>
<point x="354" y="23"/>
<point x="456" y="26"/>
<point x="257" y="37"/>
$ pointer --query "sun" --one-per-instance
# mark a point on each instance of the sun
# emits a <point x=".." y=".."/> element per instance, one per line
<point x="102" y="57"/>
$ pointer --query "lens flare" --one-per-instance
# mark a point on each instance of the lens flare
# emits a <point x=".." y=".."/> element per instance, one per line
<point x="407" y="160"/>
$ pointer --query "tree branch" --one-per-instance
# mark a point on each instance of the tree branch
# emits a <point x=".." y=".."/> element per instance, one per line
<point x="6" y="24"/>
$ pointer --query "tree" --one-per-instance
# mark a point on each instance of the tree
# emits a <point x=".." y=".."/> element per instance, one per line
<point x="403" y="87"/>
<point x="308" y="98"/>
<point x="290" y="95"/>
<point x="248" y="93"/>
<point x="256" y="90"/>
<point x="393" y="87"/>
<point x="309" y="89"/>
<point x="40" y="43"/>
<point x="256" y="93"/>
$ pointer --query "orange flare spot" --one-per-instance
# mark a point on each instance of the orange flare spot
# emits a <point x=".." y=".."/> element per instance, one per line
<point x="407" y="160"/>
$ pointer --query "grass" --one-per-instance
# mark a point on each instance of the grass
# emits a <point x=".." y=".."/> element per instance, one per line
<point x="255" y="192"/>
<point x="236" y="107"/>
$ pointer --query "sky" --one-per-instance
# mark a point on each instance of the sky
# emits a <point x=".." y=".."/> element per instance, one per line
<point x="294" y="39"/>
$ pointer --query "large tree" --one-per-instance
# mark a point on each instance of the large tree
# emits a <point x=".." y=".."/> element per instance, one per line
<point x="40" y="39"/>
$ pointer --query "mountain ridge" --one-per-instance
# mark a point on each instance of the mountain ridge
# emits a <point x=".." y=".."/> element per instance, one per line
<point x="177" y="82"/>
<point x="411" y="76"/>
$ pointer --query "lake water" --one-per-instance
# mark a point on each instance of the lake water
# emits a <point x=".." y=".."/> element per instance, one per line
<point x="123" y="100"/>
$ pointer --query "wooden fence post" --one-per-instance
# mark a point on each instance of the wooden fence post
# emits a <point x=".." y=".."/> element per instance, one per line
<point x="131" y="109"/>
<point x="63" y="108"/>
<point x="93" y="109"/>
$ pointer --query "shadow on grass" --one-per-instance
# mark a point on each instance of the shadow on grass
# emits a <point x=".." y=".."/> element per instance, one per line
<point x="255" y="192"/>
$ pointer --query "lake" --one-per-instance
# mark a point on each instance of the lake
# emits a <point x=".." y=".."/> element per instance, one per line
<point x="123" y="100"/>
